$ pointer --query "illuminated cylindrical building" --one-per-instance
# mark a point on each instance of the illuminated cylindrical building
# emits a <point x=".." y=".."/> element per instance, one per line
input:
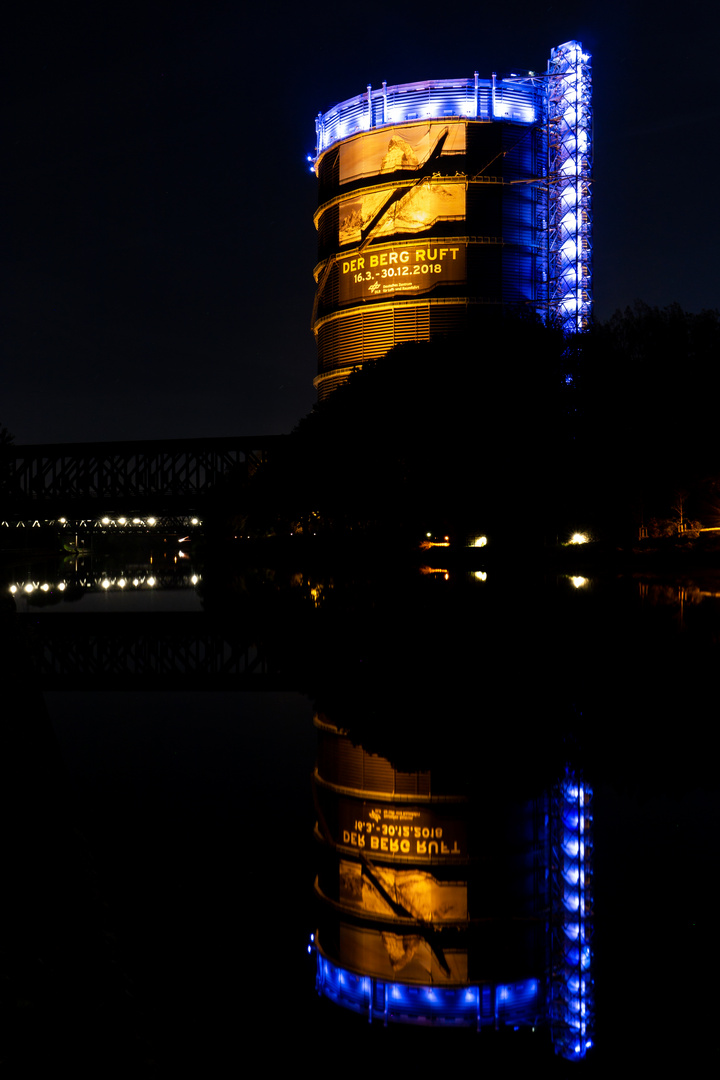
<point x="442" y="200"/>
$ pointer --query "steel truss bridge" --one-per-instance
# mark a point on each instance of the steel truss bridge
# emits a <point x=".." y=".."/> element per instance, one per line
<point x="159" y="476"/>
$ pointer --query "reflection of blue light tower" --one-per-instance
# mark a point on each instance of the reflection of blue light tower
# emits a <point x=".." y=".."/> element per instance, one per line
<point x="571" y="989"/>
<point x="562" y="996"/>
<point x="569" y="115"/>
<point x="470" y="909"/>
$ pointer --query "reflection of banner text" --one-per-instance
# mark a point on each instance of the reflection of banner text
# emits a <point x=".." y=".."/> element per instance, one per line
<point x="413" y="268"/>
<point x="410" y="832"/>
<point x="402" y="845"/>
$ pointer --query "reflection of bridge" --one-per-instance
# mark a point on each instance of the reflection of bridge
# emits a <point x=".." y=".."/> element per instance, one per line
<point x="145" y="651"/>
<point x="152" y="476"/>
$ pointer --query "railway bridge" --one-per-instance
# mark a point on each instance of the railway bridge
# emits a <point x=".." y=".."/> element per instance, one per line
<point x="154" y="476"/>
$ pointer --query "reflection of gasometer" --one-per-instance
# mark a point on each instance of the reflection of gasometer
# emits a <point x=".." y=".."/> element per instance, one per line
<point x="375" y="815"/>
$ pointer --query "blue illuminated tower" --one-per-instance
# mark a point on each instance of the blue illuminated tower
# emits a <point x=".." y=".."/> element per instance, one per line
<point x="441" y="201"/>
<point x="569" y="120"/>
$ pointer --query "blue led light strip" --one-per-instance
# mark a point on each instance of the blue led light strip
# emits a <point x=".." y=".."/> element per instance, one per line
<point x="519" y="99"/>
<point x="569" y="119"/>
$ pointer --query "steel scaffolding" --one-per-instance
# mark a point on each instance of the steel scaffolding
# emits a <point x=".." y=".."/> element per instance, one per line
<point x="569" y="122"/>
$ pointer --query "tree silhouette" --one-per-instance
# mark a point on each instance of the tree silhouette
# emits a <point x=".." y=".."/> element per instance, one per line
<point x="648" y="383"/>
<point x="453" y="434"/>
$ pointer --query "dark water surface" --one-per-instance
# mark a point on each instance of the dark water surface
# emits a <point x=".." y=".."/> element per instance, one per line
<point x="187" y="817"/>
<point x="201" y="828"/>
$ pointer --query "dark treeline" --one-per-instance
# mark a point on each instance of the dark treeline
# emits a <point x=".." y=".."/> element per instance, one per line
<point x="648" y="383"/>
<point x="513" y="430"/>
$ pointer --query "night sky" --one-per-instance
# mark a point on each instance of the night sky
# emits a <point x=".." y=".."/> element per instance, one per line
<point x="157" y="242"/>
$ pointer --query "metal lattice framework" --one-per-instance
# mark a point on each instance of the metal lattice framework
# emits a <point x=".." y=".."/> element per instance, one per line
<point x="571" y="1003"/>
<point x="569" y="119"/>
<point x="121" y="473"/>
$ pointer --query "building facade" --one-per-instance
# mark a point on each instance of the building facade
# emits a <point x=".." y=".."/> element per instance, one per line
<point x="440" y="202"/>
